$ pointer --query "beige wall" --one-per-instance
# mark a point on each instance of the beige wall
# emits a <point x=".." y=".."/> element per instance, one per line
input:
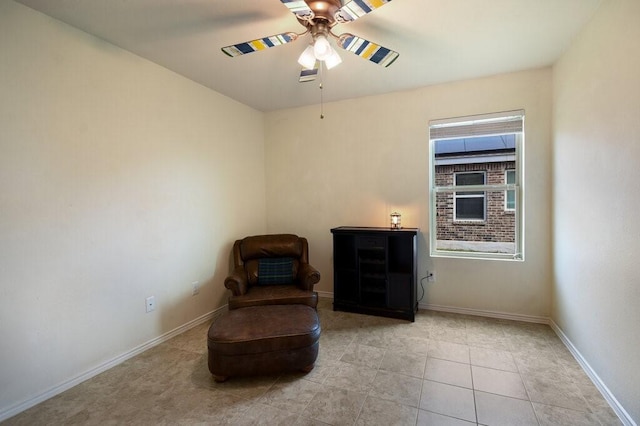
<point x="596" y="297"/>
<point x="118" y="180"/>
<point x="369" y="157"/>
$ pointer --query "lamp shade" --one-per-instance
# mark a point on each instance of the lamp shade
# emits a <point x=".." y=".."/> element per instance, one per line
<point x="322" y="48"/>
<point x="307" y="59"/>
<point x="333" y="59"/>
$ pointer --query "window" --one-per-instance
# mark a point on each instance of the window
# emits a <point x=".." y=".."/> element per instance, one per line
<point x="510" y="194"/>
<point x="483" y="154"/>
<point x="469" y="205"/>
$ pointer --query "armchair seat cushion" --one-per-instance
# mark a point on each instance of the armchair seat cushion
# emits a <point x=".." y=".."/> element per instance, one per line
<point x="274" y="294"/>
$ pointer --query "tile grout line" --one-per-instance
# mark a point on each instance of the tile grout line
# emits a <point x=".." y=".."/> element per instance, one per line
<point x="473" y="385"/>
<point x="523" y="383"/>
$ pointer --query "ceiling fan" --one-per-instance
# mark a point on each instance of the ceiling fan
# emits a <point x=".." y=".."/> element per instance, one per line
<point x="319" y="17"/>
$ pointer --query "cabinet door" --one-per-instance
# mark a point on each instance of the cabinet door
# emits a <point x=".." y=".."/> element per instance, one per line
<point x="346" y="286"/>
<point x="401" y="254"/>
<point x="345" y="263"/>
<point x="344" y="252"/>
<point x="401" y="271"/>
<point x="399" y="291"/>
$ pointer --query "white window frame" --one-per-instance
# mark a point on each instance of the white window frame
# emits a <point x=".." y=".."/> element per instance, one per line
<point x="506" y="193"/>
<point x="457" y="195"/>
<point x="510" y="122"/>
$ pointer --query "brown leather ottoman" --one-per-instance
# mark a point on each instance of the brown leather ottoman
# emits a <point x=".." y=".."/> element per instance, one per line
<point x="263" y="340"/>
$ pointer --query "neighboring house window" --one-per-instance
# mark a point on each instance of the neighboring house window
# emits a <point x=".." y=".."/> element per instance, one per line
<point x="469" y="205"/>
<point x="483" y="154"/>
<point x="510" y="194"/>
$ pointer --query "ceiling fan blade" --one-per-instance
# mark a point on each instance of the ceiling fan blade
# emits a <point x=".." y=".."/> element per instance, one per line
<point x="367" y="49"/>
<point x="300" y="9"/>
<point x="356" y="9"/>
<point x="259" y="44"/>
<point x="309" y="74"/>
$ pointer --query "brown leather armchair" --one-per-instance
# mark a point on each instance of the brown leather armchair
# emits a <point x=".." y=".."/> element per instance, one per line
<point x="272" y="270"/>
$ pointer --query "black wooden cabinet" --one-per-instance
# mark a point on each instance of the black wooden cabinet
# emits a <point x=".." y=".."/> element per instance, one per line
<point x="374" y="271"/>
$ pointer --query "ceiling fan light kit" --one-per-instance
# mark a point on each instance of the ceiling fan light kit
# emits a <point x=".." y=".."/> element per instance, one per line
<point x="320" y="50"/>
<point x="319" y="17"/>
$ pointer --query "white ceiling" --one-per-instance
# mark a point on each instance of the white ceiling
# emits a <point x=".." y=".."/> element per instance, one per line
<point x="438" y="41"/>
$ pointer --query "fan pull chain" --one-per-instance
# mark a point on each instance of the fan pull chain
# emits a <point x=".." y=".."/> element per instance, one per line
<point x="321" y="103"/>
<point x="321" y="93"/>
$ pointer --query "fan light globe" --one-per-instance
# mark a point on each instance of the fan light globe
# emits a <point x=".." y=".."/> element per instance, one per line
<point x="308" y="59"/>
<point x="333" y="60"/>
<point x="322" y="48"/>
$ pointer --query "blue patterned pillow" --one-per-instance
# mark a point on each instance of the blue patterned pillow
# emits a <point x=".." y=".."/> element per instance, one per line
<point x="276" y="270"/>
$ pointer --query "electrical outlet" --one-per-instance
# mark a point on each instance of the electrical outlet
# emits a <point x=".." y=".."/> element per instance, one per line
<point x="195" y="288"/>
<point x="151" y="303"/>
<point x="431" y="276"/>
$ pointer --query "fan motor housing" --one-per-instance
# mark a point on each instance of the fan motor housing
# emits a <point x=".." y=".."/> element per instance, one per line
<point x="324" y="10"/>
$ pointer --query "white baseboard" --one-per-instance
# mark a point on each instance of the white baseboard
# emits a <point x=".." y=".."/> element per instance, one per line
<point x="325" y="294"/>
<point x="68" y="384"/>
<point x="483" y="313"/>
<point x="468" y="311"/>
<point x="604" y="390"/>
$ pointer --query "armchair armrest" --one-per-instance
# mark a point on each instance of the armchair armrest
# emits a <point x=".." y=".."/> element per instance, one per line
<point x="237" y="282"/>
<point x="307" y="277"/>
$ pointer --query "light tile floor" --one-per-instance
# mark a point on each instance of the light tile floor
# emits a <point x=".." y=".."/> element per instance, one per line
<point x="443" y="369"/>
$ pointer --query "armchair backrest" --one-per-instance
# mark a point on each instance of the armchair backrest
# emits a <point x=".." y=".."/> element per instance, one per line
<point x="248" y="252"/>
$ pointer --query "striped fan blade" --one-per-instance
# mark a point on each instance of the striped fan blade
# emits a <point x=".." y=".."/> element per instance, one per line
<point x="309" y="74"/>
<point x="259" y="44"/>
<point x="367" y="50"/>
<point x="300" y="9"/>
<point x="356" y="9"/>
